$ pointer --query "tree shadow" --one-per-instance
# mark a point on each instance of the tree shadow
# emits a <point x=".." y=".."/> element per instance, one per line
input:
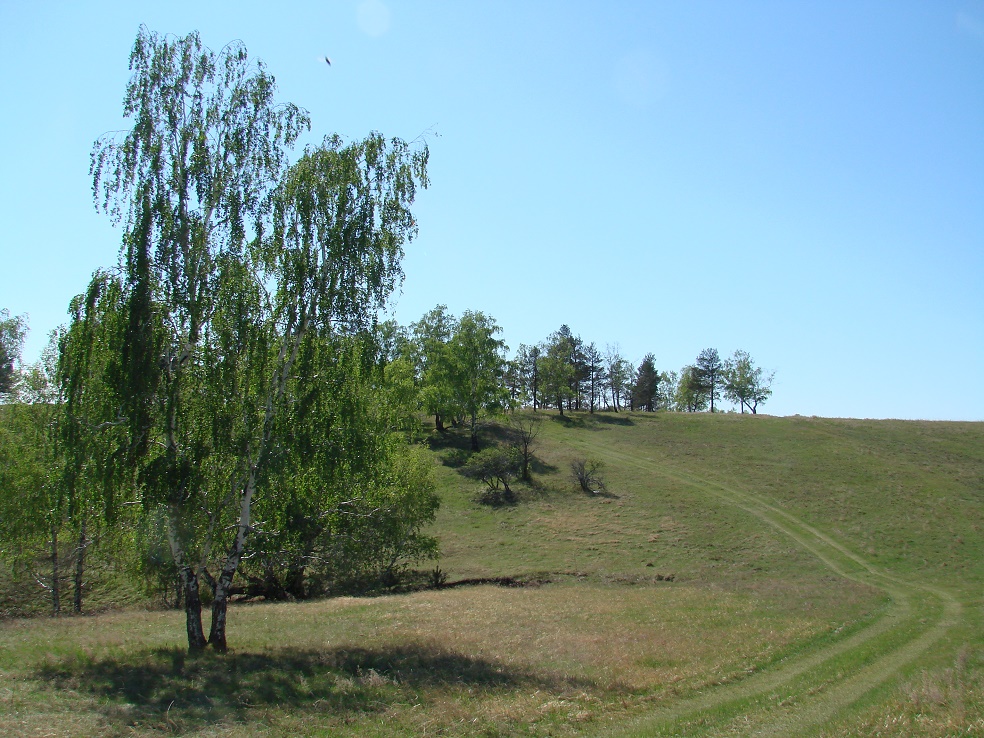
<point x="539" y="466"/>
<point x="585" y="419"/>
<point x="568" y="420"/>
<point x="613" y="419"/>
<point x="182" y="693"/>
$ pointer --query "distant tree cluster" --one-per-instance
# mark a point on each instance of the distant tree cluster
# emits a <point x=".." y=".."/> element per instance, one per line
<point x="450" y="368"/>
<point x="567" y="373"/>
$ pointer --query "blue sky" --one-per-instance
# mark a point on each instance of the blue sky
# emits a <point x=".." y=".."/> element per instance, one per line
<point x="801" y="180"/>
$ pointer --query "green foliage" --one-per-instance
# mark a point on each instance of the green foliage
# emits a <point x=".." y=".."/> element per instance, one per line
<point x="462" y="367"/>
<point x="691" y="395"/>
<point x="478" y="361"/>
<point x="709" y="375"/>
<point x="402" y="395"/>
<point x="12" y="332"/>
<point x="344" y="496"/>
<point x="594" y="379"/>
<point x="618" y="372"/>
<point x="645" y="390"/>
<point x="38" y="511"/>
<point x="202" y="378"/>
<point x="528" y="368"/>
<point x="558" y="370"/>
<point x="434" y="364"/>
<point x="496" y="466"/>
<point x="30" y="501"/>
<point x="745" y="383"/>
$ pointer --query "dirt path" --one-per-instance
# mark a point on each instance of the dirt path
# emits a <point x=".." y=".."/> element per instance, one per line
<point x="799" y="695"/>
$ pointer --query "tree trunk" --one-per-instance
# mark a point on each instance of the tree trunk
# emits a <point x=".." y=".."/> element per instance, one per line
<point x="294" y="584"/>
<point x="55" y="574"/>
<point x="193" y="610"/>
<point x="189" y="585"/>
<point x="474" y="432"/>
<point x="220" y="607"/>
<point x="438" y="423"/>
<point x="80" y="567"/>
<point x="220" y="604"/>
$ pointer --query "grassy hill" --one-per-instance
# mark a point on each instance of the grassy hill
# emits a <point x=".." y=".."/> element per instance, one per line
<point x="741" y="575"/>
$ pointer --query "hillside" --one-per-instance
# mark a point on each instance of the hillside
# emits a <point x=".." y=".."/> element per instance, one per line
<point x="805" y="516"/>
<point x="740" y="575"/>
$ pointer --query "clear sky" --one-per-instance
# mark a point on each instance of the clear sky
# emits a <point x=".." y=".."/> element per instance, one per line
<point x="802" y="180"/>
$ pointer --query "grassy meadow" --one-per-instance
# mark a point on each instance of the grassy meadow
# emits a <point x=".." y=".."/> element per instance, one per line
<point x="740" y="575"/>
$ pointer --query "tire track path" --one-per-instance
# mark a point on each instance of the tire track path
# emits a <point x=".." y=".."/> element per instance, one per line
<point x="800" y="694"/>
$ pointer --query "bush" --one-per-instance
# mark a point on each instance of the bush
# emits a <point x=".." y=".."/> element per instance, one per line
<point x="496" y="466"/>
<point x="586" y="473"/>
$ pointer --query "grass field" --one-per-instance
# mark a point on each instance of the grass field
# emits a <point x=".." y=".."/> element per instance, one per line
<point x="742" y="575"/>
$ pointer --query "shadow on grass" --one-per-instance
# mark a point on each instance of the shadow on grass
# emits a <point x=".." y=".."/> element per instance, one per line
<point x="182" y="693"/>
<point x="612" y="419"/>
<point x="569" y="420"/>
<point x="584" y="419"/>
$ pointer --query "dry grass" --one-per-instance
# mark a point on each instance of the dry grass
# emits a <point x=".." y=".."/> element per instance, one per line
<point x="933" y="703"/>
<point x="473" y="661"/>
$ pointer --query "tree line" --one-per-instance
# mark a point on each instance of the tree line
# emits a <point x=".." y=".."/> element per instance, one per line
<point x="568" y="373"/>
<point x="460" y="368"/>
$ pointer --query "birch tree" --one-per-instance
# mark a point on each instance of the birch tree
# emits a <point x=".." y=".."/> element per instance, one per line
<point x="746" y="384"/>
<point x="478" y="360"/>
<point x="232" y="258"/>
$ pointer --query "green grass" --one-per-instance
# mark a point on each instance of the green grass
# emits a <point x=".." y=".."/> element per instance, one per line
<point x="744" y="575"/>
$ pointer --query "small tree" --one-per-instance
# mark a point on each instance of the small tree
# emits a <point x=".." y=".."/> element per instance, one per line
<point x="560" y="369"/>
<point x="618" y="373"/>
<point x="36" y="507"/>
<point x="690" y="394"/>
<point x="430" y="346"/>
<point x="667" y="389"/>
<point x="527" y="428"/>
<point x="745" y="383"/>
<point x="478" y="358"/>
<point x="645" y="390"/>
<point x="496" y="466"/>
<point x="594" y="381"/>
<point x="528" y="358"/>
<point x="710" y="374"/>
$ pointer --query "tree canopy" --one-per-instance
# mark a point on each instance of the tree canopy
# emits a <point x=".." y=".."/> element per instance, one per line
<point x="746" y="384"/>
<point x="242" y="278"/>
<point x="12" y="332"/>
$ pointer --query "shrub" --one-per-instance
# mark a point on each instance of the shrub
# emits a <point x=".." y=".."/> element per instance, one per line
<point x="586" y="473"/>
<point x="496" y="466"/>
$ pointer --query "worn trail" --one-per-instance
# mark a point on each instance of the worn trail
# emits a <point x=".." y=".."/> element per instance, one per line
<point x="799" y="695"/>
